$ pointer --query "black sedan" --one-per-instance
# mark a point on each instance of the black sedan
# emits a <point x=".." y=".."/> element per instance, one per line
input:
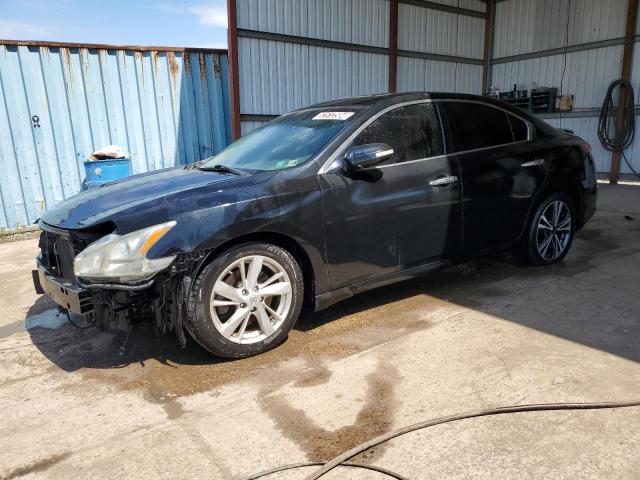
<point x="312" y="208"/>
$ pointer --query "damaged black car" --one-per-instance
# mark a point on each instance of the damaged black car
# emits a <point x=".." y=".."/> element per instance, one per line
<point x="312" y="208"/>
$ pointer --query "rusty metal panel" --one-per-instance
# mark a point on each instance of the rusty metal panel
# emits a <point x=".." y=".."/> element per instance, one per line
<point x="524" y="26"/>
<point x="364" y="22"/>
<point x="58" y="104"/>
<point x="415" y="74"/>
<point x="588" y="74"/>
<point x="432" y="31"/>
<point x="276" y="77"/>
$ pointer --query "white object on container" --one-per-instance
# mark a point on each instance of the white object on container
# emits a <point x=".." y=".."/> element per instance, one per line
<point x="108" y="151"/>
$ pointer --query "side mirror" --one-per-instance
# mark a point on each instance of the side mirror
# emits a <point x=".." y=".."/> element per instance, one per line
<point x="367" y="156"/>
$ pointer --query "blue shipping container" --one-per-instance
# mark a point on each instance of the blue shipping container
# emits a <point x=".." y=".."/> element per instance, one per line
<point x="61" y="102"/>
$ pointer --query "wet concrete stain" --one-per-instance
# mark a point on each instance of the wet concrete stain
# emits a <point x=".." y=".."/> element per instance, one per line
<point x="317" y="373"/>
<point x="374" y="419"/>
<point x="38" y="466"/>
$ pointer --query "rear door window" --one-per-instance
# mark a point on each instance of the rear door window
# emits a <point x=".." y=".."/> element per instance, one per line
<point x="478" y="126"/>
<point x="519" y="128"/>
<point x="413" y="131"/>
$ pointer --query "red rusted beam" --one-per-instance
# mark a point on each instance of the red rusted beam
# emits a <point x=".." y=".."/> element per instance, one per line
<point x="393" y="45"/>
<point x="488" y="33"/>
<point x="234" y="83"/>
<point x="627" y="58"/>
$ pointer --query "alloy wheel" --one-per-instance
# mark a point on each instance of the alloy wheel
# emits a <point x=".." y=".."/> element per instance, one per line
<point x="554" y="230"/>
<point x="251" y="299"/>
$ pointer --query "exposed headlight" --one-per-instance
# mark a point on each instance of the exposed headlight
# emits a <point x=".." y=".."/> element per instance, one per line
<point x="123" y="257"/>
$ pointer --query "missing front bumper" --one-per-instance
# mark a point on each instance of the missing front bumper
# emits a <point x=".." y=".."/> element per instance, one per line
<point x="66" y="294"/>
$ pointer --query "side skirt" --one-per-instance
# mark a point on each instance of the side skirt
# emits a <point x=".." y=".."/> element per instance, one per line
<point x="325" y="300"/>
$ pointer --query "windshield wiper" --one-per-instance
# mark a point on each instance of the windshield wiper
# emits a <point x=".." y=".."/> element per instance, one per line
<point x="223" y="169"/>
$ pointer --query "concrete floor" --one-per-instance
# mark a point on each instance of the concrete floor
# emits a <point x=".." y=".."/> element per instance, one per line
<point x="484" y="334"/>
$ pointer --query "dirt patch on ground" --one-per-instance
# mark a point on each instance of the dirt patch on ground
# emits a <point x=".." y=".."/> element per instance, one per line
<point x="19" y="236"/>
<point x="38" y="466"/>
<point x="375" y="418"/>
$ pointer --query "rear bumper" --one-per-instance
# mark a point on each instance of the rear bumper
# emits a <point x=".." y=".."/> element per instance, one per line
<point x="590" y="200"/>
<point x="66" y="294"/>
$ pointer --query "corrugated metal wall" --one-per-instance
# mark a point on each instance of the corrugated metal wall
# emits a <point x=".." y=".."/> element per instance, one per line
<point x="276" y="77"/>
<point x="279" y="74"/>
<point x="534" y="28"/>
<point x="294" y="53"/>
<point x="363" y="22"/>
<point x="431" y="31"/>
<point x="163" y="107"/>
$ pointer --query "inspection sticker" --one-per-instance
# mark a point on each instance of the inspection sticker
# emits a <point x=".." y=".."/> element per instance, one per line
<point x="333" y="115"/>
<point x="286" y="163"/>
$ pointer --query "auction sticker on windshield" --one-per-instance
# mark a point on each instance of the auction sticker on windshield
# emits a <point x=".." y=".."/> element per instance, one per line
<point x="333" y="115"/>
<point x="286" y="163"/>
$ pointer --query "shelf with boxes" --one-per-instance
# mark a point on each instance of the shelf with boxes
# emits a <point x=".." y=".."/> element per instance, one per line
<point x="536" y="100"/>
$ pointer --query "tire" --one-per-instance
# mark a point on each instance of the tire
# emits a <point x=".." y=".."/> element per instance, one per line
<point x="249" y="316"/>
<point x="537" y="247"/>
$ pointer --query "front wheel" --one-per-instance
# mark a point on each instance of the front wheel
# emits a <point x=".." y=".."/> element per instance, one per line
<point x="245" y="301"/>
<point x="550" y="231"/>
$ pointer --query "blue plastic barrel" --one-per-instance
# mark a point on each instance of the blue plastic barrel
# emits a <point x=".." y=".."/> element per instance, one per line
<point x="99" y="172"/>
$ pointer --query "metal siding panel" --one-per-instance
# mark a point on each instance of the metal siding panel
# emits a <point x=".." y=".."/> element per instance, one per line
<point x="188" y="117"/>
<point x="14" y="202"/>
<point x="476" y="5"/>
<point x="246" y="127"/>
<point x="80" y="124"/>
<point x="60" y="120"/>
<point x="214" y="84"/>
<point x="164" y="109"/>
<point x="86" y="98"/>
<point x="113" y="98"/>
<point x="433" y="31"/>
<point x="365" y="22"/>
<point x="287" y="76"/>
<point x="44" y="145"/>
<point x="224" y="66"/>
<point x="133" y="110"/>
<point x="415" y="74"/>
<point x="524" y="26"/>
<point x="587" y="76"/>
<point x="632" y="153"/>
<point x="21" y="135"/>
<point x="95" y="98"/>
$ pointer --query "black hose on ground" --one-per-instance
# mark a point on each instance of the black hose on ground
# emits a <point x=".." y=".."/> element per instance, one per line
<point x="293" y="466"/>
<point x="341" y="459"/>
<point x="623" y="136"/>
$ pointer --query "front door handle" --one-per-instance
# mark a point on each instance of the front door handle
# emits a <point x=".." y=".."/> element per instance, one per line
<point x="439" y="182"/>
<point x="534" y="163"/>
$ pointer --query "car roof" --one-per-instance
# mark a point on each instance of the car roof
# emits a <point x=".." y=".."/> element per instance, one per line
<point x="388" y="99"/>
<point x="377" y="102"/>
<point x="391" y="98"/>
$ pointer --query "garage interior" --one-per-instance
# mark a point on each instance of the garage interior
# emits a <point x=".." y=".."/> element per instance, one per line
<point x="484" y="334"/>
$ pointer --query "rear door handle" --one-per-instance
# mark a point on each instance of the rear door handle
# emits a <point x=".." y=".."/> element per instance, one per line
<point x="534" y="163"/>
<point x="439" y="182"/>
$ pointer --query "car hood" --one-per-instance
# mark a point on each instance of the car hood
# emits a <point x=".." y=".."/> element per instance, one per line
<point x="136" y="195"/>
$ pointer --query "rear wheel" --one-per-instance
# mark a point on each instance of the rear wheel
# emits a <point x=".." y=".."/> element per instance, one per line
<point x="246" y="301"/>
<point x="550" y="231"/>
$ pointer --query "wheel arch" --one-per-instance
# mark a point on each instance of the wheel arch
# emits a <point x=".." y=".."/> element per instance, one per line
<point x="562" y="181"/>
<point x="281" y="240"/>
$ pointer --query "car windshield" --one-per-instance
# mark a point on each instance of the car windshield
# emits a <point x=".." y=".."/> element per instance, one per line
<point x="286" y="142"/>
